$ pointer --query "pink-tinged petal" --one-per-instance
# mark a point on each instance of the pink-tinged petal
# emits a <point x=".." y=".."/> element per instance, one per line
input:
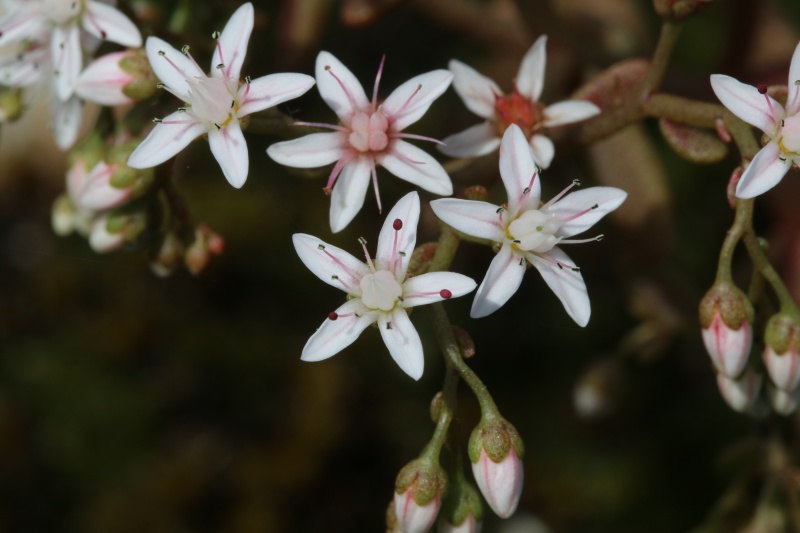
<point x="411" y="100"/>
<point x="349" y="192"/>
<point x="543" y="150"/>
<point x="168" y="138"/>
<point x="110" y="24"/>
<point x="729" y="348"/>
<point x="517" y="169"/>
<point x="24" y="21"/>
<point x="584" y="201"/>
<point x="338" y="86"/>
<point x="416" y="166"/>
<point x="479" y="219"/>
<point x="97" y="193"/>
<point x="784" y="368"/>
<point x="269" y="91"/>
<point x="67" y="117"/>
<point x="793" y="98"/>
<point x="334" y="336"/>
<point x="434" y="287"/>
<point x="102" y="81"/>
<point x="232" y="44"/>
<point x="478" y="92"/>
<point x="65" y="49"/>
<point x="172" y="67"/>
<point x="412" y="517"/>
<point x="569" y="111"/>
<point x="315" y="150"/>
<point x="332" y="265"/>
<point x="230" y="149"/>
<point x="403" y="341"/>
<point x="396" y="244"/>
<point x="766" y="169"/>
<point x="747" y="103"/>
<point x="474" y="141"/>
<point x="565" y="282"/>
<point x="741" y="394"/>
<point x="101" y="240"/>
<point x="502" y="280"/>
<point x="530" y="77"/>
<point x="500" y="483"/>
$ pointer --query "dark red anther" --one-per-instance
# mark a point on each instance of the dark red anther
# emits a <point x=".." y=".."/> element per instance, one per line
<point x="444" y="293"/>
<point x="397" y="224"/>
<point x="333" y="315"/>
<point x="762" y="89"/>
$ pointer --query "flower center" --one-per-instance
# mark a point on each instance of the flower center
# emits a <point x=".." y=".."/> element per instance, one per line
<point x="790" y="135"/>
<point x="211" y="100"/>
<point x="368" y="131"/>
<point x="533" y="231"/>
<point x="61" y="11"/>
<point x="516" y="109"/>
<point x="380" y="290"/>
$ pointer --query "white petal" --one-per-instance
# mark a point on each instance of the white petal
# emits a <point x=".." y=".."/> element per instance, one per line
<point x="167" y="139"/>
<point x="478" y="92"/>
<point x="338" y="86"/>
<point x="569" y="111"/>
<point x="403" y="342"/>
<point x="530" y="77"/>
<point x="232" y="45"/>
<point x="764" y="171"/>
<point x="543" y="150"/>
<point x="349" y="192"/>
<point x="426" y="288"/>
<point x="315" y="150"/>
<point x="747" y="103"/>
<point x="567" y="284"/>
<point x="793" y="98"/>
<point x="101" y="240"/>
<point x="65" y="48"/>
<point x="230" y="149"/>
<point x="517" y="169"/>
<point x="501" y="282"/>
<point x="173" y="68"/>
<point x="479" y="219"/>
<point x="332" y="265"/>
<point x="110" y="24"/>
<point x="605" y="198"/>
<point x="474" y="141"/>
<point x="23" y="21"/>
<point x="396" y="246"/>
<point x="24" y="68"/>
<point x="67" y="117"/>
<point x="411" y="100"/>
<point x="409" y="163"/>
<point x="269" y="91"/>
<point x="335" y="335"/>
<point x="102" y="81"/>
<point x="97" y="193"/>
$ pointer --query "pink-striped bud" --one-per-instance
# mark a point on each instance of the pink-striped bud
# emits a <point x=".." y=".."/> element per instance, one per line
<point x="726" y="317"/>
<point x="740" y="394"/>
<point x="419" y="489"/>
<point x="118" y="78"/>
<point x="462" y="511"/>
<point x="496" y="451"/>
<point x="780" y="351"/>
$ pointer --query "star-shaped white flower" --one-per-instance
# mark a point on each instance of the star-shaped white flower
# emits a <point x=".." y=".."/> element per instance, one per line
<point x="781" y="125"/>
<point x="215" y="103"/>
<point x="483" y="97"/>
<point x="378" y="291"/>
<point x="369" y="134"/>
<point x="529" y="232"/>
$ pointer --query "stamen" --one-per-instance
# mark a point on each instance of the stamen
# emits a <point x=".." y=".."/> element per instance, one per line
<point x="363" y="243"/>
<point x="763" y="90"/>
<point x="417" y="137"/>
<point x="581" y="241"/>
<point x="346" y="92"/>
<point x="576" y="215"/>
<point x="418" y="89"/>
<point x="374" y="173"/>
<point x="527" y="189"/>
<point x="321" y="247"/>
<point x="321" y="125"/>
<point x="377" y="82"/>
<point x="337" y="169"/>
<point x="796" y="93"/>
<point x="397" y="224"/>
<point x="332" y="315"/>
<point x="446" y="294"/>
<point x="560" y="264"/>
<point x="575" y="183"/>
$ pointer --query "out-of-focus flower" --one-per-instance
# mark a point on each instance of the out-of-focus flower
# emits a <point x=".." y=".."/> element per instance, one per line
<point x="781" y="124"/>
<point x="378" y="291"/>
<point x="496" y="450"/>
<point x="782" y="401"/>
<point x="369" y="134"/>
<point x="215" y="103"/>
<point x="118" y="78"/>
<point x="781" y="355"/>
<point x="483" y="97"/>
<point x="726" y="317"/>
<point x="741" y="393"/>
<point x="419" y="489"/>
<point x="529" y="232"/>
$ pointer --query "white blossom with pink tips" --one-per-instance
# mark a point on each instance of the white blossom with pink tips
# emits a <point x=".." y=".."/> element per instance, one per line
<point x="781" y="124"/>
<point x="369" y="134"/>
<point x="215" y="103"/>
<point x="529" y="232"/>
<point x="378" y="291"/>
<point x="483" y="97"/>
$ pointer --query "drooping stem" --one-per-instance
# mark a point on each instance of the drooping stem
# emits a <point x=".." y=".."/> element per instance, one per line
<point x="658" y="65"/>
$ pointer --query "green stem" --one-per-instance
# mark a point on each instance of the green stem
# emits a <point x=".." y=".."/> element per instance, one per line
<point x="744" y="213"/>
<point x="658" y="66"/>
<point x="763" y="266"/>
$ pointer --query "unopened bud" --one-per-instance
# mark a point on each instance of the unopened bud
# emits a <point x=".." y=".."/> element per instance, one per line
<point x="726" y="317"/>
<point x="782" y="401"/>
<point x="678" y="9"/>
<point x="476" y="192"/>
<point x="419" y="489"/>
<point x="63" y="216"/>
<point x="206" y="243"/>
<point x="168" y="256"/>
<point x="465" y="342"/>
<point x="101" y="239"/>
<point x="421" y="258"/>
<point x="462" y="511"/>
<point x="780" y="351"/>
<point x="11" y="105"/>
<point x="596" y="393"/>
<point x="496" y="451"/>
<point x="117" y="78"/>
<point x="740" y="394"/>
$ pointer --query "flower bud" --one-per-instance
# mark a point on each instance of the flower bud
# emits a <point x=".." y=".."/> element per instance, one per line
<point x="63" y="216"/>
<point x="168" y="256"/>
<point x="597" y="392"/>
<point x="418" y="495"/>
<point x="678" y="9"/>
<point x="780" y="351"/>
<point x="11" y="106"/>
<point x="101" y="239"/>
<point x="118" y="78"/>
<point x="726" y="316"/>
<point x="462" y="511"/>
<point x="782" y="401"/>
<point x="496" y="451"/>
<point x="206" y="243"/>
<point x="741" y="394"/>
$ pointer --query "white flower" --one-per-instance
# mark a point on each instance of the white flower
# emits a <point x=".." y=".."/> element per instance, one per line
<point x="368" y="135"/>
<point x="781" y="125"/>
<point x="529" y="232"/>
<point x="217" y="102"/>
<point x="483" y="97"/>
<point x="378" y="291"/>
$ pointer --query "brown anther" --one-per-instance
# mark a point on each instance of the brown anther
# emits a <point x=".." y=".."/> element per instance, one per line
<point x="327" y="190"/>
<point x="762" y="89"/>
<point x="446" y="294"/>
<point x="397" y="224"/>
<point x="333" y="315"/>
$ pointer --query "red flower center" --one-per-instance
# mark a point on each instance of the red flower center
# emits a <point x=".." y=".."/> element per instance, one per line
<point x="517" y="109"/>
